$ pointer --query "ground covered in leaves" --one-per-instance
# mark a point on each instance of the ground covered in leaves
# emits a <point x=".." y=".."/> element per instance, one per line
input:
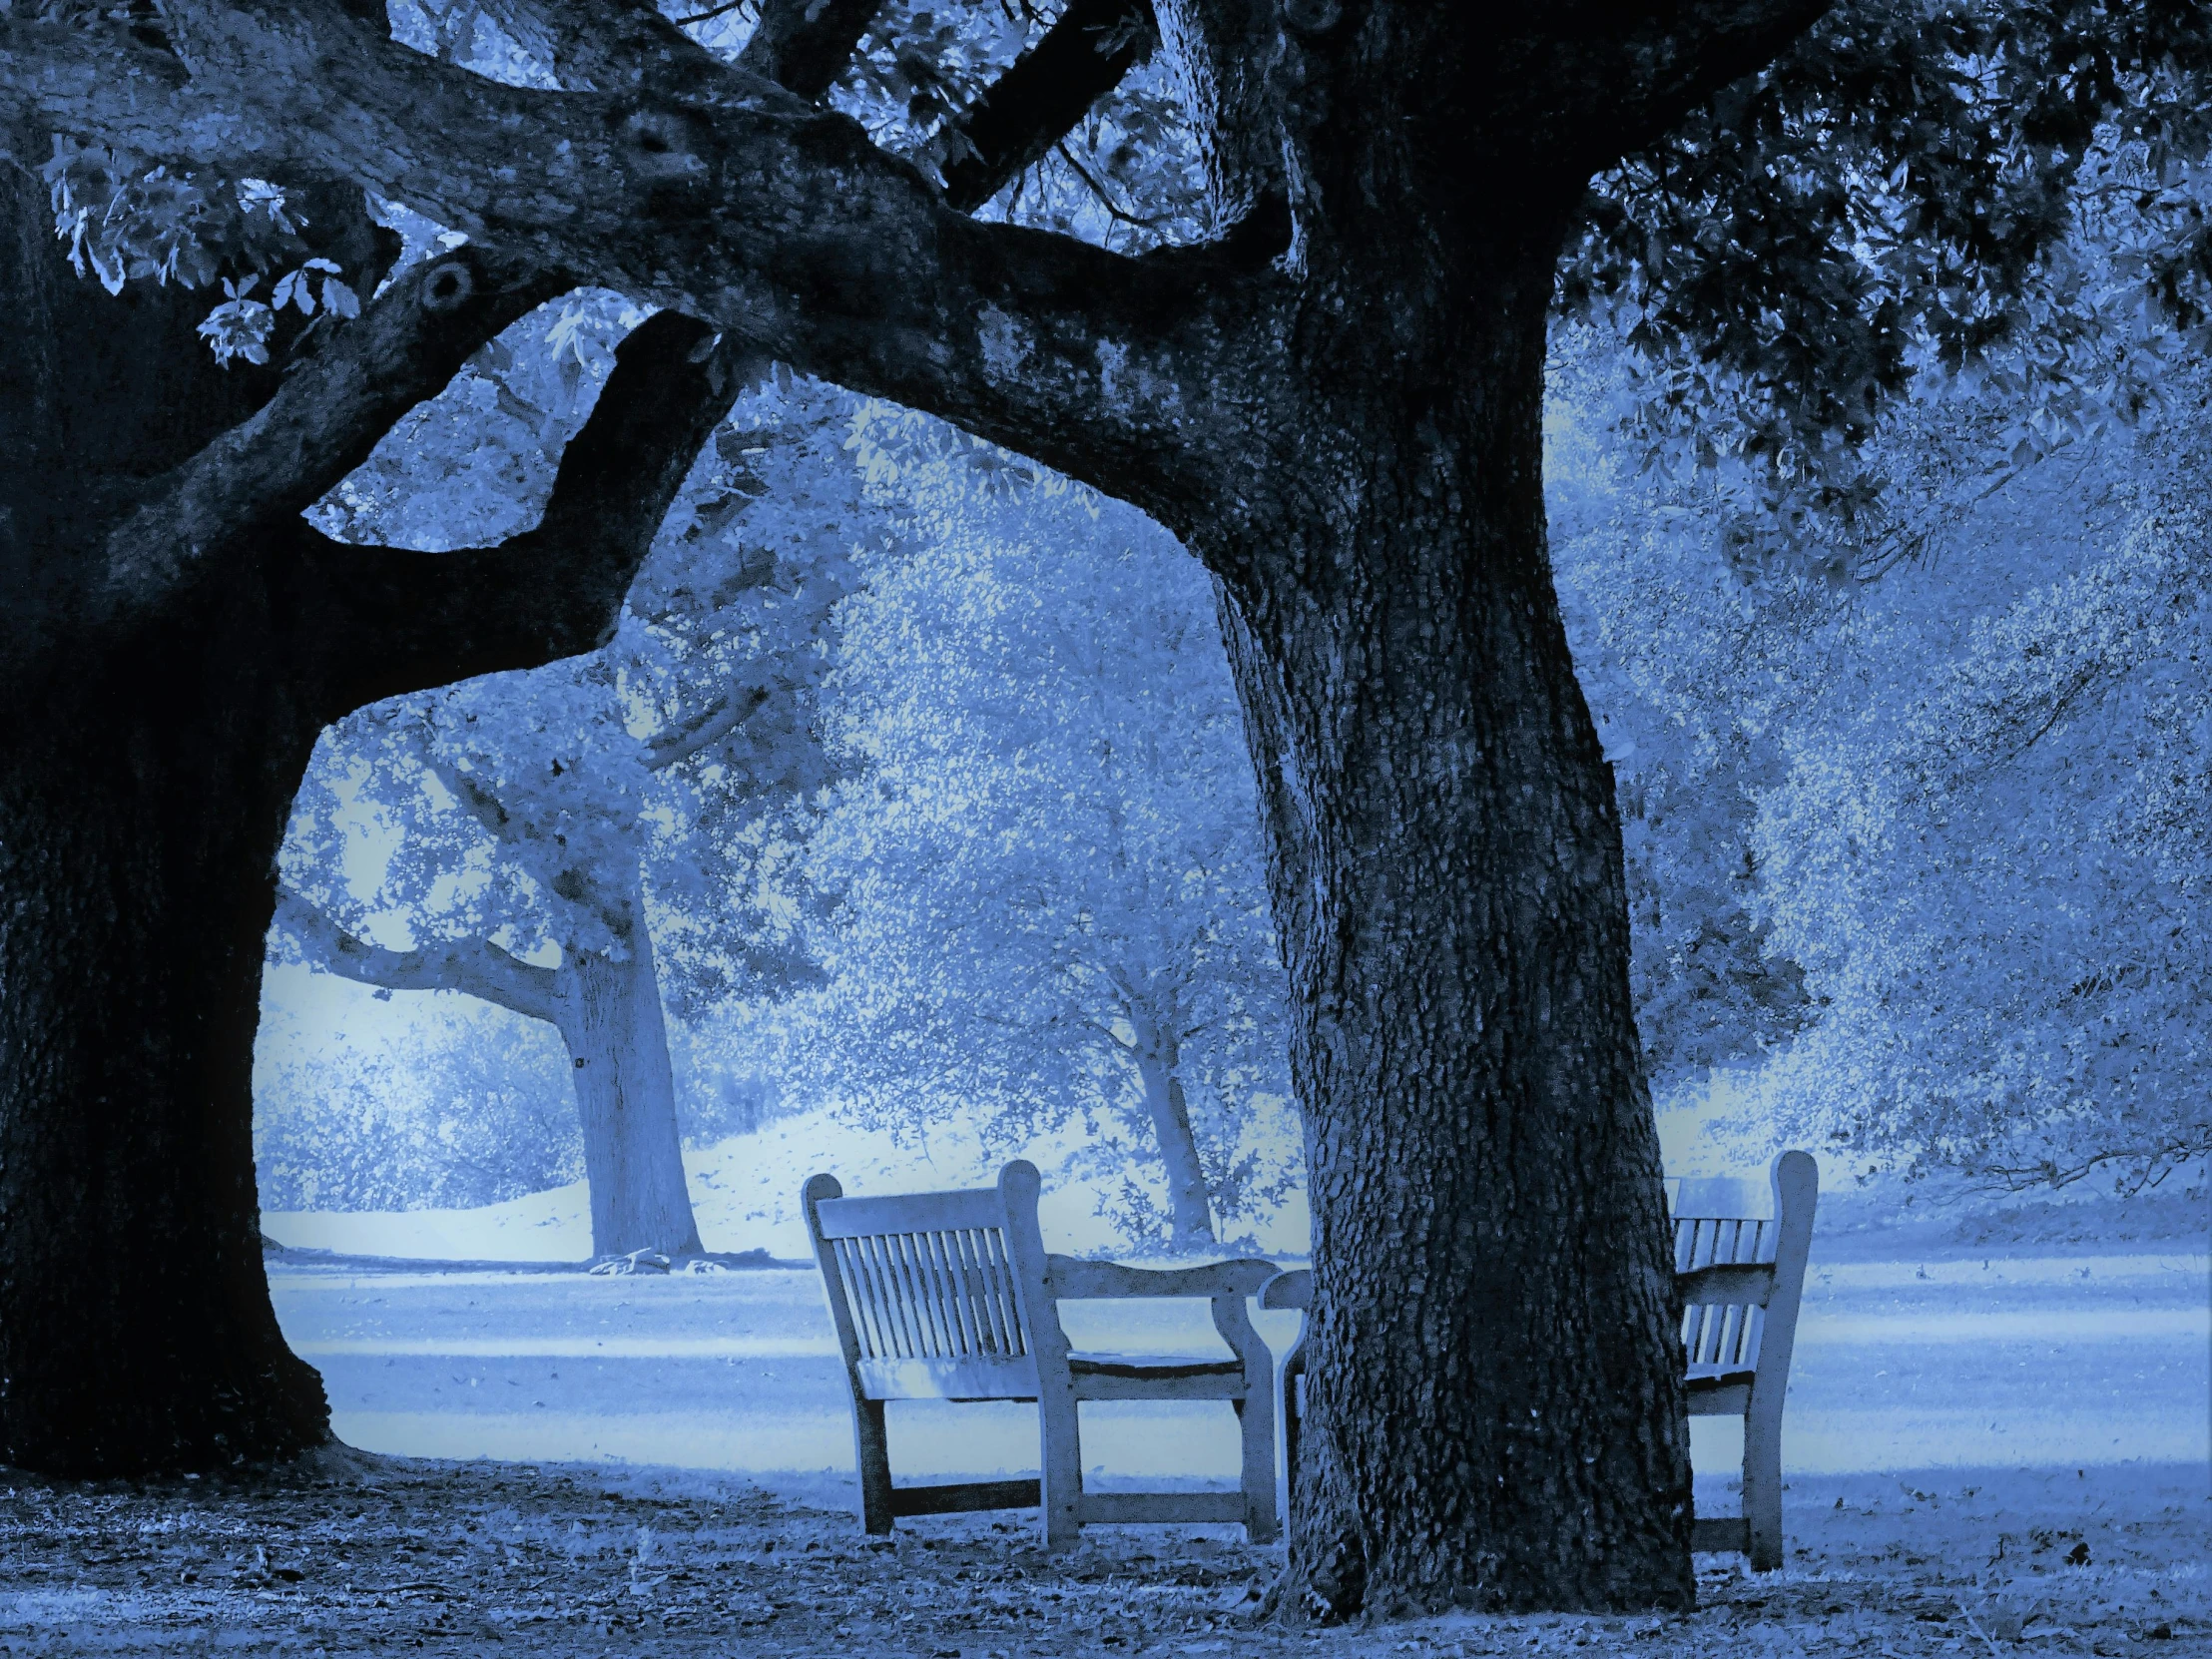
<point x="362" y="1555"/>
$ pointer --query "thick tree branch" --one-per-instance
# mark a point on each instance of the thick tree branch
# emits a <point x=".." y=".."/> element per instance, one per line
<point x="476" y="966"/>
<point x="1043" y="95"/>
<point x="768" y="216"/>
<point x="805" y="44"/>
<point x="325" y="421"/>
<point x="556" y="589"/>
<point x="1636" y="82"/>
<point x="133" y="96"/>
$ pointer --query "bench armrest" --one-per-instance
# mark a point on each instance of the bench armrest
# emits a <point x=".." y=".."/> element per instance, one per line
<point x="1076" y="1279"/>
<point x="1727" y="1285"/>
<point x="1294" y="1289"/>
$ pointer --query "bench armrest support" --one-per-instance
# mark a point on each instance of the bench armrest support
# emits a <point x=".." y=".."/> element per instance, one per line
<point x="1074" y="1279"/>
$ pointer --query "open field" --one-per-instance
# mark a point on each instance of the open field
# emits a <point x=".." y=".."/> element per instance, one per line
<point x="1987" y="1453"/>
<point x="2028" y="1360"/>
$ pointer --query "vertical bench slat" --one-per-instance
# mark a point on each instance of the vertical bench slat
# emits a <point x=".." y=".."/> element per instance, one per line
<point x="956" y="1292"/>
<point x="915" y="1277"/>
<point x="986" y="1297"/>
<point x="855" y="1299"/>
<point x="1004" y="1287"/>
<point x="912" y="1297"/>
<point x="958" y="1313"/>
<point x="894" y="1345"/>
<point x="876" y="1247"/>
<point x="960" y="1250"/>
<point x="875" y="1333"/>
<point x="1004" y="1329"/>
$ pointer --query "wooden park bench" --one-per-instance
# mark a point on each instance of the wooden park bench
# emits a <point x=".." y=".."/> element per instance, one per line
<point x="1739" y="1268"/>
<point x="953" y="1297"/>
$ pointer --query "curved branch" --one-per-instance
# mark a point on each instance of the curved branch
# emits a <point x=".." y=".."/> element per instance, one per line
<point x="556" y="589"/>
<point x="324" y="423"/>
<point x="476" y="966"/>
<point x="1046" y="91"/>
<point x="724" y="717"/>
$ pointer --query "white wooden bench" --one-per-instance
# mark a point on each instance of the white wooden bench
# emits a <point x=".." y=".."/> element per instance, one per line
<point x="1739" y="1259"/>
<point x="953" y="1297"/>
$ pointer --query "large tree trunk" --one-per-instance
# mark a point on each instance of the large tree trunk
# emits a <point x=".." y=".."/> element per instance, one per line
<point x="1159" y="1066"/>
<point x="145" y="774"/>
<point x="159" y="694"/>
<point x="617" y="1040"/>
<point x="1497" y="1416"/>
<point x="141" y="796"/>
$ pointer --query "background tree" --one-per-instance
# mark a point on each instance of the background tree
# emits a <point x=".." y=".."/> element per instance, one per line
<point x="1052" y="900"/>
<point x="1949" y="771"/>
<point x="546" y="813"/>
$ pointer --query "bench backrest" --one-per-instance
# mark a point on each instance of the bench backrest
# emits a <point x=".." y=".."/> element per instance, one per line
<point x="1739" y="1248"/>
<point x="932" y="1292"/>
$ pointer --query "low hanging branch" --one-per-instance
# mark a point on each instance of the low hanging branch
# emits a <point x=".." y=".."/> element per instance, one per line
<point x="557" y="589"/>
<point x="328" y="416"/>
<point x="476" y="966"/>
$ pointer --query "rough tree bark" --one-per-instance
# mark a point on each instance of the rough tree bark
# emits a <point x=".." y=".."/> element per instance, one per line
<point x="177" y="638"/>
<point x="1337" y="404"/>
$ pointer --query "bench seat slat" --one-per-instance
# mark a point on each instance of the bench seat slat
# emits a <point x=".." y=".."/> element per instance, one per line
<point x="1160" y="1387"/>
<point x="1154" y="1365"/>
<point x="973" y="1376"/>
<point x="1111" y="1509"/>
<point x="1720" y="1532"/>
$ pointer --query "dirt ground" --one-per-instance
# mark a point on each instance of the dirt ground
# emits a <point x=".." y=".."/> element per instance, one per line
<point x="370" y="1555"/>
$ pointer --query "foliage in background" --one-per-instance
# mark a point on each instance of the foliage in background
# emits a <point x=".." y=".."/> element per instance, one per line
<point x="468" y="1107"/>
<point x="1922" y="197"/>
<point x="1923" y="846"/>
<point x="1052" y="906"/>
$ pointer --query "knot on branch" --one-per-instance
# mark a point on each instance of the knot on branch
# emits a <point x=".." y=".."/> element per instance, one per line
<point x="1312" y="17"/>
<point x="663" y="150"/>
<point x="447" y="285"/>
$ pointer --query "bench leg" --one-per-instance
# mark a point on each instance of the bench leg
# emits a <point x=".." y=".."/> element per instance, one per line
<point x="1256" y="1423"/>
<point x="1763" y="1487"/>
<point x="872" y="1451"/>
<point x="1061" y="1463"/>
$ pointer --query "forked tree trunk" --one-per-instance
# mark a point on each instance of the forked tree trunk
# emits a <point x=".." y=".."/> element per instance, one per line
<point x="1159" y="1066"/>
<point x="617" y="1040"/>
<point x="1497" y="1419"/>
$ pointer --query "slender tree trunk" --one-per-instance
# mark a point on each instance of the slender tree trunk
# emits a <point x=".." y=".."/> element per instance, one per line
<point x="1159" y="1062"/>
<point x="616" y="1042"/>
<point x="1497" y="1412"/>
